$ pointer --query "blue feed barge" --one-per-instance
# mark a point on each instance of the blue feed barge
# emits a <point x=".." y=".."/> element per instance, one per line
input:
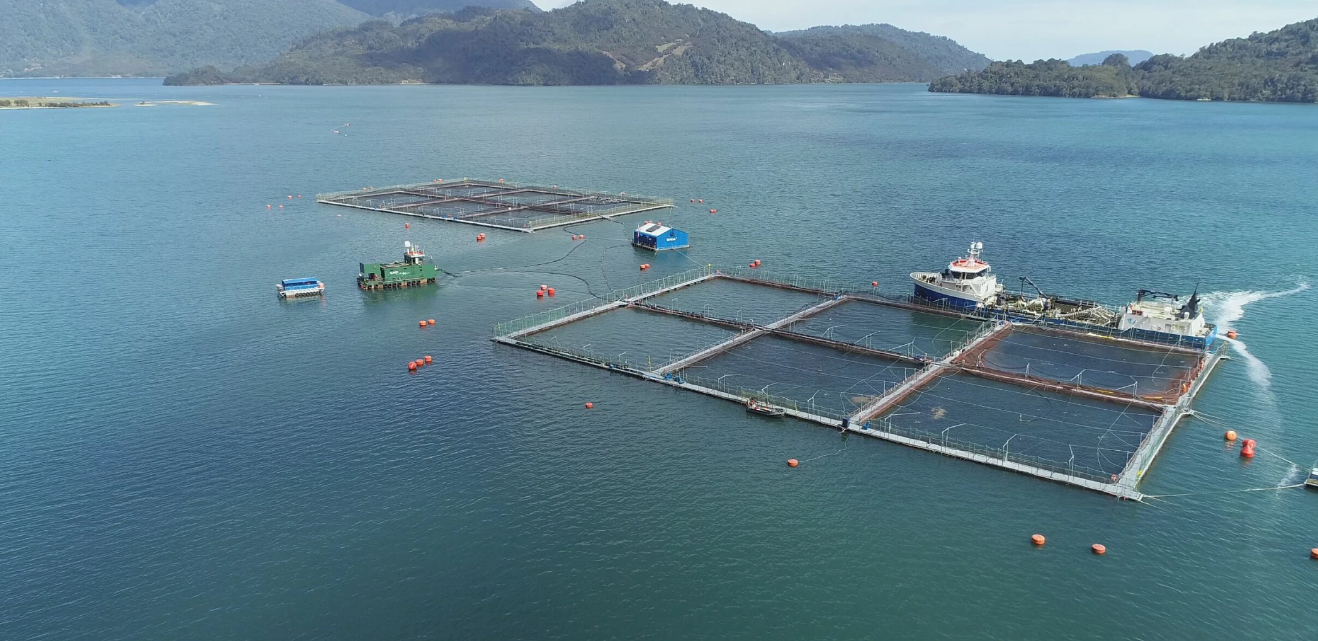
<point x="659" y="237"/>
<point x="295" y="287"/>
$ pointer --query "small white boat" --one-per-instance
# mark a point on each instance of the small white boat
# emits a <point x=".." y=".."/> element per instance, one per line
<point x="294" y="287"/>
<point x="764" y="409"/>
<point x="967" y="283"/>
<point x="1313" y="477"/>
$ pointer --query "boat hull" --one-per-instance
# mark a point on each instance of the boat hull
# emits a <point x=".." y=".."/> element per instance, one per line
<point x="938" y="295"/>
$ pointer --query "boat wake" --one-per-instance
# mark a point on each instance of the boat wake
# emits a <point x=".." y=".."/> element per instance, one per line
<point x="1229" y="307"/>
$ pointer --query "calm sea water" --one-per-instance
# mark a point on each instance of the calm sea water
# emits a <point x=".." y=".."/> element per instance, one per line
<point x="185" y="457"/>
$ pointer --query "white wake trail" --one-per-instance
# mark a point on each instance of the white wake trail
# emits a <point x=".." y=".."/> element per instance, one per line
<point x="1226" y="308"/>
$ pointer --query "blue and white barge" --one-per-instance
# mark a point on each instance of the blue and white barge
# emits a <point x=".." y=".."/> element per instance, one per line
<point x="659" y="237"/>
<point x="297" y="287"/>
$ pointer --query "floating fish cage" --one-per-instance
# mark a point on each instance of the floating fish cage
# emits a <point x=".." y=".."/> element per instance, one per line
<point x="1085" y="410"/>
<point x="495" y="203"/>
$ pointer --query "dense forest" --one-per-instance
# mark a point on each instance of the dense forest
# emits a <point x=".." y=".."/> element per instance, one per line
<point x="1113" y="79"/>
<point x="598" y="42"/>
<point x="157" y="37"/>
<point x="1278" y="66"/>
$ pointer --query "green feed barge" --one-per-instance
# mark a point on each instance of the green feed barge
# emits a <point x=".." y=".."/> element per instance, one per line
<point x="413" y="271"/>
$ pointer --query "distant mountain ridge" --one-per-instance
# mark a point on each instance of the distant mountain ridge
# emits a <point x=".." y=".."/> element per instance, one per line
<point x="603" y="42"/>
<point x="1135" y="56"/>
<point x="409" y="8"/>
<point x="157" y="37"/>
<point x="1277" y="66"/>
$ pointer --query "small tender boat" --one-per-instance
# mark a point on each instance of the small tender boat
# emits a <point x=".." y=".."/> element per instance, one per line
<point x="764" y="409"/>
<point x="294" y="287"/>
<point x="1313" y="477"/>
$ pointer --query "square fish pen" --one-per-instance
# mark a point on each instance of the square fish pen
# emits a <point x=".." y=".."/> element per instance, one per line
<point x="1060" y="405"/>
<point x="495" y="203"/>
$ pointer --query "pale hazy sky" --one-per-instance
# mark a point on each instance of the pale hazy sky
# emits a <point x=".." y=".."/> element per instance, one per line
<point x="1031" y="29"/>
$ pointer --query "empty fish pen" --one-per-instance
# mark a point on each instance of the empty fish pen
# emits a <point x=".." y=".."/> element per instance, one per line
<point x="495" y="203"/>
<point x="1052" y="403"/>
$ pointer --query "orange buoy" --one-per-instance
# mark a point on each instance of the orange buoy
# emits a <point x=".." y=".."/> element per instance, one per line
<point x="544" y="288"/>
<point x="791" y="462"/>
<point x="299" y="195"/>
<point x="422" y="323"/>
<point x="1232" y="334"/>
<point x="1230" y="435"/>
<point x="702" y="201"/>
<point x="430" y="321"/>
<point x="757" y="262"/>
<point x="1313" y="554"/>
<point x="269" y="207"/>
<point x="419" y="362"/>
<point x="551" y="292"/>
<point x="290" y="196"/>
<point x="428" y="359"/>
<point x="1099" y="549"/>
<point x="539" y="293"/>
<point x="1038" y="539"/>
<point x="590" y="406"/>
<point x="1247" y="451"/>
<point x="713" y="211"/>
<point x="752" y="264"/>
<point x="874" y="283"/>
<point x="407" y="225"/>
<point x="693" y="200"/>
<point x="411" y="366"/>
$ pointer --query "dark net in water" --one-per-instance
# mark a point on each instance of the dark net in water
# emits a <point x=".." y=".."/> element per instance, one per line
<point x="1084" y="437"/>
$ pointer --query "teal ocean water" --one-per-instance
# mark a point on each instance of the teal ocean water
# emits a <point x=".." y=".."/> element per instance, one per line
<point x="182" y="456"/>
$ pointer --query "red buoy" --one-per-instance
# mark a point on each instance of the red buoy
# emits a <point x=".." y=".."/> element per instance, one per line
<point x="713" y="211"/>
<point x="551" y="292"/>
<point x="693" y="200"/>
<point x="1099" y="548"/>
<point x="1038" y="539"/>
<point x="428" y="359"/>
<point x="590" y="406"/>
<point x="1313" y="554"/>
<point x="874" y="283"/>
<point x="430" y="321"/>
<point x="539" y="293"/>
<point x="791" y="462"/>
<point x="422" y="323"/>
<point x="411" y="366"/>
<point x="407" y="225"/>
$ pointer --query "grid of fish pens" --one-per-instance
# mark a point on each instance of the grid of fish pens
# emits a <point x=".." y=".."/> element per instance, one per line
<point x="1089" y="411"/>
<point x="495" y="203"/>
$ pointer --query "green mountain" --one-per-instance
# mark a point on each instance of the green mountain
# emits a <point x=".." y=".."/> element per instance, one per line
<point x="858" y="52"/>
<point x="598" y="42"/>
<point x="156" y="37"/>
<point x="1278" y="66"/>
<point x="1135" y="56"/>
<point x="409" y="8"/>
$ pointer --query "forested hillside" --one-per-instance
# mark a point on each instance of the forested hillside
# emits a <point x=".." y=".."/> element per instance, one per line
<point x="926" y="56"/>
<point x="598" y="42"/>
<point x="1112" y="79"/>
<point x="410" y="8"/>
<point x="156" y="37"/>
<point x="1278" y="66"/>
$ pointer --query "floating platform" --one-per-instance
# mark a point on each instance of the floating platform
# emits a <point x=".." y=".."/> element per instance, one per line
<point x="296" y="287"/>
<point x="495" y="203"/>
<point x="412" y="271"/>
<point x="1015" y="396"/>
